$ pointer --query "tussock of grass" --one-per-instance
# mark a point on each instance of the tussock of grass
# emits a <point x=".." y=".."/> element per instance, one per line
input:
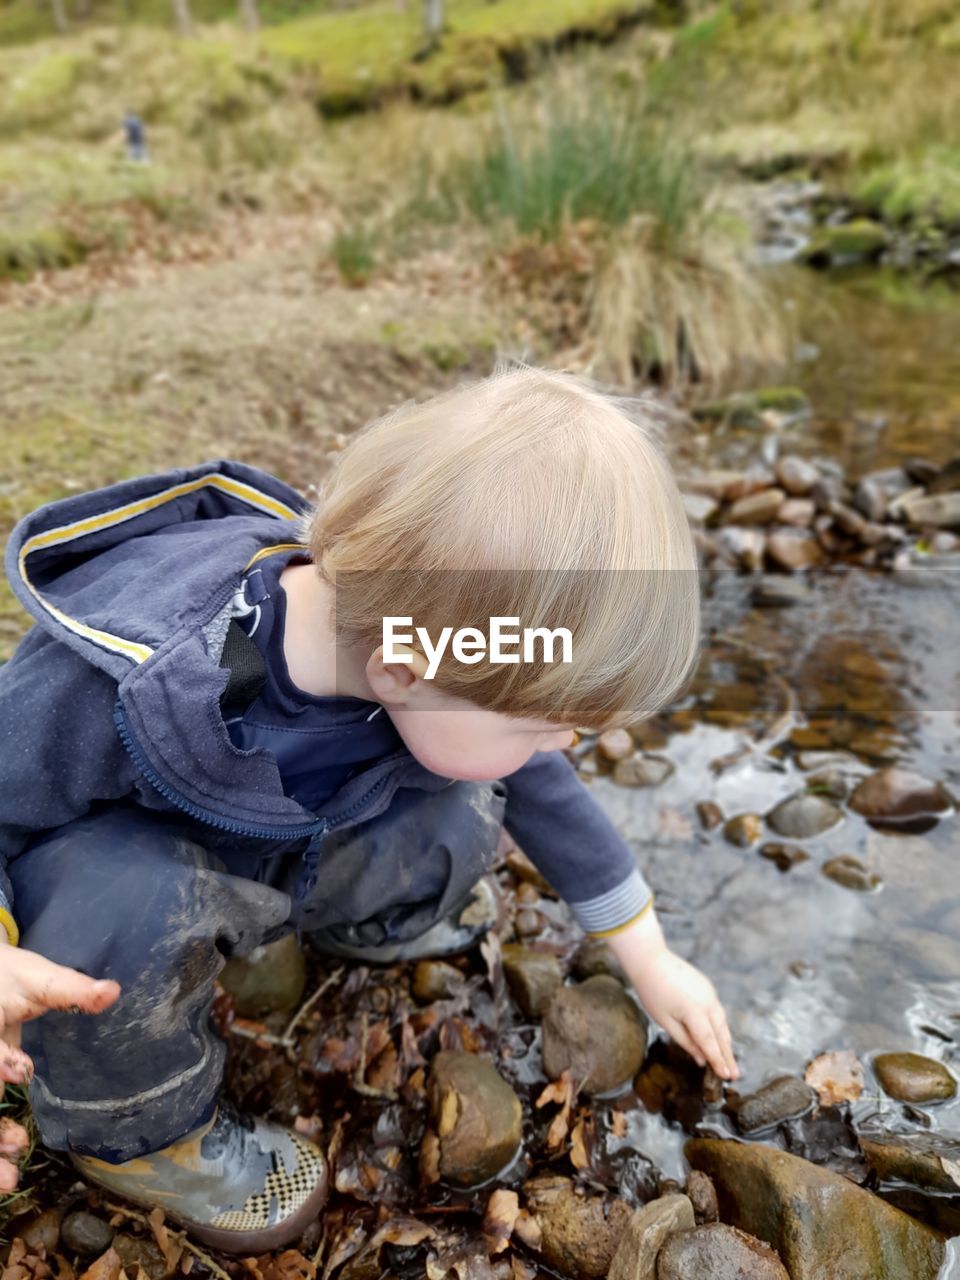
<point x="656" y="270"/>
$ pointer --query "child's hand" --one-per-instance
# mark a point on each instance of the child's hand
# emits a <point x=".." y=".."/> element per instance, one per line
<point x="29" y="987"/>
<point x="676" y="995"/>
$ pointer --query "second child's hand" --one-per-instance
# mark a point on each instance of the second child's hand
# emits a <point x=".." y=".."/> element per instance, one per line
<point x="676" y="995"/>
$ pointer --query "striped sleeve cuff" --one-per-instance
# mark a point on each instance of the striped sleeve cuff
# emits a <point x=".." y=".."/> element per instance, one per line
<point x="614" y="910"/>
<point x="8" y="922"/>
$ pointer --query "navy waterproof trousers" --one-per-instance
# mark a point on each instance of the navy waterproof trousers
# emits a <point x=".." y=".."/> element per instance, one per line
<point x="128" y="894"/>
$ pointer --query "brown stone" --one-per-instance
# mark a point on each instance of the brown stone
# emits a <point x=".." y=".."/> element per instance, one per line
<point x="912" y="1077"/>
<point x="646" y="1233"/>
<point x="475" y="1115"/>
<point x="580" y="1233"/>
<point x="595" y="1031"/>
<point x="796" y="475"/>
<point x="744" y="829"/>
<point x="794" y="550"/>
<point x="615" y="744"/>
<point x="718" y="1252"/>
<point x="898" y="797"/>
<point x="798" y="512"/>
<point x="756" y="508"/>
<point x="532" y="976"/>
<point x="823" y="1226"/>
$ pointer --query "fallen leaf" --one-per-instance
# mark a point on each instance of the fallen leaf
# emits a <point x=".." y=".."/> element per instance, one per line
<point x="837" y="1076"/>
<point x="503" y="1209"/>
<point x="578" y="1146"/>
<point x="106" y="1267"/>
<point x="618" y="1124"/>
<point x="527" y="1228"/>
<point x="951" y="1168"/>
<point x="561" y="1091"/>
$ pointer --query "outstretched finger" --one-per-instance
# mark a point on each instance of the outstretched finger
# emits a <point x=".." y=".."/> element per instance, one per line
<point x="705" y="1038"/>
<point x="722" y="1032"/>
<point x="678" y="1032"/>
<point x="49" y="986"/>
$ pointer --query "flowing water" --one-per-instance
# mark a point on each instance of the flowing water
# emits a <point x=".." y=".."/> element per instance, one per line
<point x="872" y="660"/>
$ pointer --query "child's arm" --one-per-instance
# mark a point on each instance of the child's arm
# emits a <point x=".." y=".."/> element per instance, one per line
<point x="562" y="829"/>
<point x="675" y="994"/>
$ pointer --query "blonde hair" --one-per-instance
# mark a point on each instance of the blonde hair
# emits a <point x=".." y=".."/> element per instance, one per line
<point x="531" y="494"/>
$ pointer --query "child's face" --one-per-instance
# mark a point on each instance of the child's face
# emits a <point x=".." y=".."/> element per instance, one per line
<point x="453" y="737"/>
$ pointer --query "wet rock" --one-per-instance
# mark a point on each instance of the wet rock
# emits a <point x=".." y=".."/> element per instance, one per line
<point x="921" y="471"/>
<point x="779" y="1099"/>
<point x="820" y="1222"/>
<point x="525" y="871"/>
<point x="829" y="760"/>
<point x="870" y="500"/>
<point x="703" y="1197"/>
<point x="929" y="1160"/>
<point x="714" y="484"/>
<point x="580" y="1233"/>
<point x="615" y="744"/>
<point x="744" y="829"/>
<point x="947" y="479"/>
<point x="798" y="512"/>
<point x="911" y="1077"/>
<point x="899" y="798"/>
<point x="744" y="547"/>
<point x="796" y="475"/>
<point x="776" y="592"/>
<point x="851" y="873"/>
<point x="532" y="976"/>
<point x="528" y="923"/>
<point x="827" y="491"/>
<point x="794" y="550"/>
<point x="803" y="816"/>
<point x="756" y="508"/>
<point x="642" y="771"/>
<point x="861" y="240"/>
<point x="699" y="507"/>
<point x="41" y="1232"/>
<point x="941" y="510"/>
<point x="593" y="957"/>
<point x="718" y="1252"/>
<point x="830" y="783"/>
<point x="710" y="815"/>
<point x="750" y="481"/>
<point x="85" y="1233"/>
<point x="476" y="1118"/>
<point x="140" y="1251"/>
<point x="436" y="980"/>
<point x="784" y="856"/>
<point x="647" y="1230"/>
<point x="270" y="978"/>
<point x="597" y="1032"/>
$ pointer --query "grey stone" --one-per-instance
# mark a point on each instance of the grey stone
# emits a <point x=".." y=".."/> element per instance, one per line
<point x="85" y="1233"/>
<point x="779" y="1099"/>
<point x="647" y="1230"/>
<point x="595" y="1031"/>
<point x="718" y="1252"/>
<point x="803" y="816"/>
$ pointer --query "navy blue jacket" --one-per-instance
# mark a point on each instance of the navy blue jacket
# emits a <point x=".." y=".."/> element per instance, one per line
<point x="116" y="691"/>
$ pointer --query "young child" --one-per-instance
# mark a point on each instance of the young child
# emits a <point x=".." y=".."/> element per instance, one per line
<point x="207" y="744"/>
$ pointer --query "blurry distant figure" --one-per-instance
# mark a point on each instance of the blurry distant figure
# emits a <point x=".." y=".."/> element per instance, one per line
<point x="136" y="136"/>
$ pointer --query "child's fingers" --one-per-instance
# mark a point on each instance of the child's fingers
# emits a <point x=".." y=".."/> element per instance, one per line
<point x="48" y="986"/>
<point x="704" y="1036"/>
<point x="15" y="1066"/>
<point x="14" y="1138"/>
<point x="678" y="1032"/>
<point x="9" y="1175"/>
<point x="722" y="1031"/>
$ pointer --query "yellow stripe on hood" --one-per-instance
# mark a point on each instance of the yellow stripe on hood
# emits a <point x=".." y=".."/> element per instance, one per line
<point x="93" y="524"/>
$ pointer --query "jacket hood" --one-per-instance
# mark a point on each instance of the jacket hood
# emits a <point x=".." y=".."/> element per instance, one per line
<point x="116" y="572"/>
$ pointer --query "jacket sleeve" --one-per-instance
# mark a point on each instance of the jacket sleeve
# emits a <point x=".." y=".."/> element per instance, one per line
<point x="59" y="749"/>
<point x="565" y="833"/>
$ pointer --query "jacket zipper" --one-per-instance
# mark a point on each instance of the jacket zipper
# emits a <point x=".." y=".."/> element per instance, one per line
<point x="320" y="827"/>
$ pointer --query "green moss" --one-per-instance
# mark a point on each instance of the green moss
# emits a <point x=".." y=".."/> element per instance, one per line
<point x="861" y="240"/>
<point x="746" y="408"/>
<point x="925" y="188"/>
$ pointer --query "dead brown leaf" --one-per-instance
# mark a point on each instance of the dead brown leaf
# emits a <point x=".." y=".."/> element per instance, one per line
<point x="837" y="1076"/>
<point x="563" y="1092"/>
<point x="503" y="1209"/>
<point x="106" y="1267"/>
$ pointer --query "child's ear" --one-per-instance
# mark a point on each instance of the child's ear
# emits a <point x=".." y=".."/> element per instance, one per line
<point x="393" y="682"/>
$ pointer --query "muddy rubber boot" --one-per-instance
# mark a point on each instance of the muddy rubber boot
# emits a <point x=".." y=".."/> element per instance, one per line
<point x="459" y="931"/>
<point x="237" y="1184"/>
